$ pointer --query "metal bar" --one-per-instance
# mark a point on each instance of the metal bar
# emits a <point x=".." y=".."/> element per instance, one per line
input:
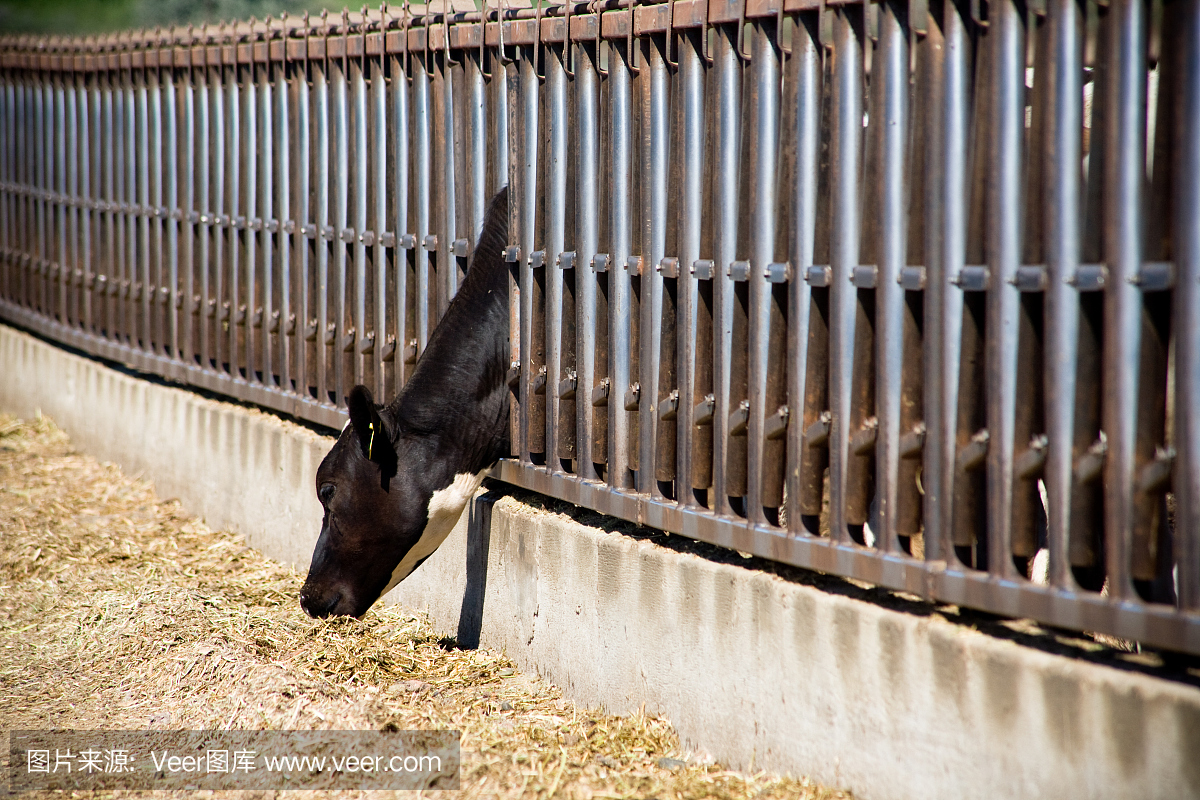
<point x="291" y="326"/>
<point x="844" y="244"/>
<point x="422" y="167"/>
<point x="554" y="199"/>
<point x="189" y="298"/>
<point x="523" y="122"/>
<point x="379" y="225"/>
<point x="803" y="121"/>
<point x="247" y="310"/>
<point x="620" y="236"/>
<point x="232" y="311"/>
<point x="946" y="244"/>
<point x="587" y="182"/>
<point x="1006" y="37"/>
<point x="304" y="350"/>
<point x="689" y="235"/>
<point x="1125" y="171"/>
<point x="1062" y="208"/>
<point x="170" y="202"/>
<point x="359" y="174"/>
<point x="342" y="324"/>
<point x="765" y="83"/>
<point x="727" y="75"/>
<point x="69" y="228"/>
<point x="400" y="216"/>
<point x="655" y="137"/>
<point x="145" y="159"/>
<point x="154" y="213"/>
<point x="891" y="65"/>
<point x="265" y="276"/>
<point x="321" y="224"/>
<point x="1187" y="317"/>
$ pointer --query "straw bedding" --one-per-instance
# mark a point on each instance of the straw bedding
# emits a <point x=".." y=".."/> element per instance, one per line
<point x="118" y="610"/>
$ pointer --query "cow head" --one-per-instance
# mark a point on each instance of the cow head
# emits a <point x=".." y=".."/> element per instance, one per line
<point x="376" y="486"/>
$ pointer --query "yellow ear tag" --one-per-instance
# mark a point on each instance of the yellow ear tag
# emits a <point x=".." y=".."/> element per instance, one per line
<point x="371" y="443"/>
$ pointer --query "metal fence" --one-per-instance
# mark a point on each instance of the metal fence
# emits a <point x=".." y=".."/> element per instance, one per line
<point x="899" y="292"/>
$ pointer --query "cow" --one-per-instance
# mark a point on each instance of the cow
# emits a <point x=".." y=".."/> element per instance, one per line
<point x="399" y="476"/>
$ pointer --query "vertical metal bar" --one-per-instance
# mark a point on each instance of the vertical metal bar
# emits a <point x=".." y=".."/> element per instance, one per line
<point x="587" y="212"/>
<point x="58" y="175"/>
<point x="42" y="162"/>
<point x="475" y="104"/>
<point x="304" y="349"/>
<point x="727" y="75"/>
<point x="946" y="243"/>
<point x="805" y="72"/>
<point x="1187" y="315"/>
<point x="320" y="82"/>
<point x="1062" y="224"/>
<point x="109" y="136"/>
<point x="144" y="162"/>
<point x="152" y="87"/>
<point x="232" y="273"/>
<point x="190" y="217"/>
<point x="1006" y="37"/>
<point x="7" y="187"/>
<point x="620" y="234"/>
<point x="765" y="78"/>
<point x="70" y="190"/>
<point x="210" y="177"/>
<point x="656" y="137"/>
<point x="291" y="324"/>
<point x="341" y="189"/>
<point x="379" y="176"/>
<point x="844" y="245"/>
<point x="422" y="167"/>
<point x="446" y="213"/>
<point x="554" y="200"/>
<point x="1125" y="168"/>
<point x="400" y="176"/>
<point x="691" y="198"/>
<point x="307" y="339"/>
<point x="359" y="150"/>
<point x="264" y="314"/>
<point x="173" y="299"/>
<point x="132" y="256"/>
<point x="247" y="309"/>
<point x="891" y="65"/>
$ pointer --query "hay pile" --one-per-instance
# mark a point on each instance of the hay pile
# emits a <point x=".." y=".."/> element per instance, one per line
<point x="119" y="611"/>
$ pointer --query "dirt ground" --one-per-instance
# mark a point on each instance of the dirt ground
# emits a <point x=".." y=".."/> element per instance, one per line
<point x="120" y="611"/>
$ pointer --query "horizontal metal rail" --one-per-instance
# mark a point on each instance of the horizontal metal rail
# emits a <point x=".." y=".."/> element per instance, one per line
<point x="901" y="292"/>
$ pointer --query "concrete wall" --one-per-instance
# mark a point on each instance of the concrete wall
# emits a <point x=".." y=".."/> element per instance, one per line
<point x="756" y="670"/>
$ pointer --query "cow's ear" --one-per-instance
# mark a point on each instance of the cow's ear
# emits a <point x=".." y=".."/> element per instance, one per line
<point x="374" y="435"/>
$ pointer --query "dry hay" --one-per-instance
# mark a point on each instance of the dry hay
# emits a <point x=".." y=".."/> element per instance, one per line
<point x="119" y="611"/>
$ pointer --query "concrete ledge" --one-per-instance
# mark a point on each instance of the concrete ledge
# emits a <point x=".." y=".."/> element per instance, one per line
<point x="756" y="670"/>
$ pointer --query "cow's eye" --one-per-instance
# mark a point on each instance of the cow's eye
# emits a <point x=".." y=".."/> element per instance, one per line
<point x="325" y="493"/>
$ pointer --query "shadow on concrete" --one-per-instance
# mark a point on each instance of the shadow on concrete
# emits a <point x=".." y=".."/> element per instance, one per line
<point x="479" y="535"/>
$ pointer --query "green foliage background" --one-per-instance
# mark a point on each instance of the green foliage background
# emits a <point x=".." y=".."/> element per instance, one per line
<point x="79" y="17"/>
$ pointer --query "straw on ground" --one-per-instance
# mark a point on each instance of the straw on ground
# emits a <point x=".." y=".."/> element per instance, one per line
<point x="118" y="610"/>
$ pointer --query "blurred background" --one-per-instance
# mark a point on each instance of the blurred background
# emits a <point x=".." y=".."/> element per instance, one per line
<point x="78" y="17"/>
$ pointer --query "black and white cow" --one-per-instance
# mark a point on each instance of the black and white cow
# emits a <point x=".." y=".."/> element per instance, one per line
<point x="399" y="476"/>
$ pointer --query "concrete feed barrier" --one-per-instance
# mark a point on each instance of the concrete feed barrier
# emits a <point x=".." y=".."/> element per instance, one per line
<point x="756" y="670"/>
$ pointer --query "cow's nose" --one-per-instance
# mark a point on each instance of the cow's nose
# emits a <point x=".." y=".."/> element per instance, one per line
<point x="317" y="607"/>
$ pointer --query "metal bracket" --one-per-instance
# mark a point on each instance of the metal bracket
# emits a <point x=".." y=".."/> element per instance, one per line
<point x="633" y="397"/>
<point x="972" y="279"/>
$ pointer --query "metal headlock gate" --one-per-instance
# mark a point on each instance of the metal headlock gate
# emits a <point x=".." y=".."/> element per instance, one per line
<point x="896" y="291"/>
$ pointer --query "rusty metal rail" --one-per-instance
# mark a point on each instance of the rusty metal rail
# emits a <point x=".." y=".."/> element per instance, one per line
<point x="903" y="292"/>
